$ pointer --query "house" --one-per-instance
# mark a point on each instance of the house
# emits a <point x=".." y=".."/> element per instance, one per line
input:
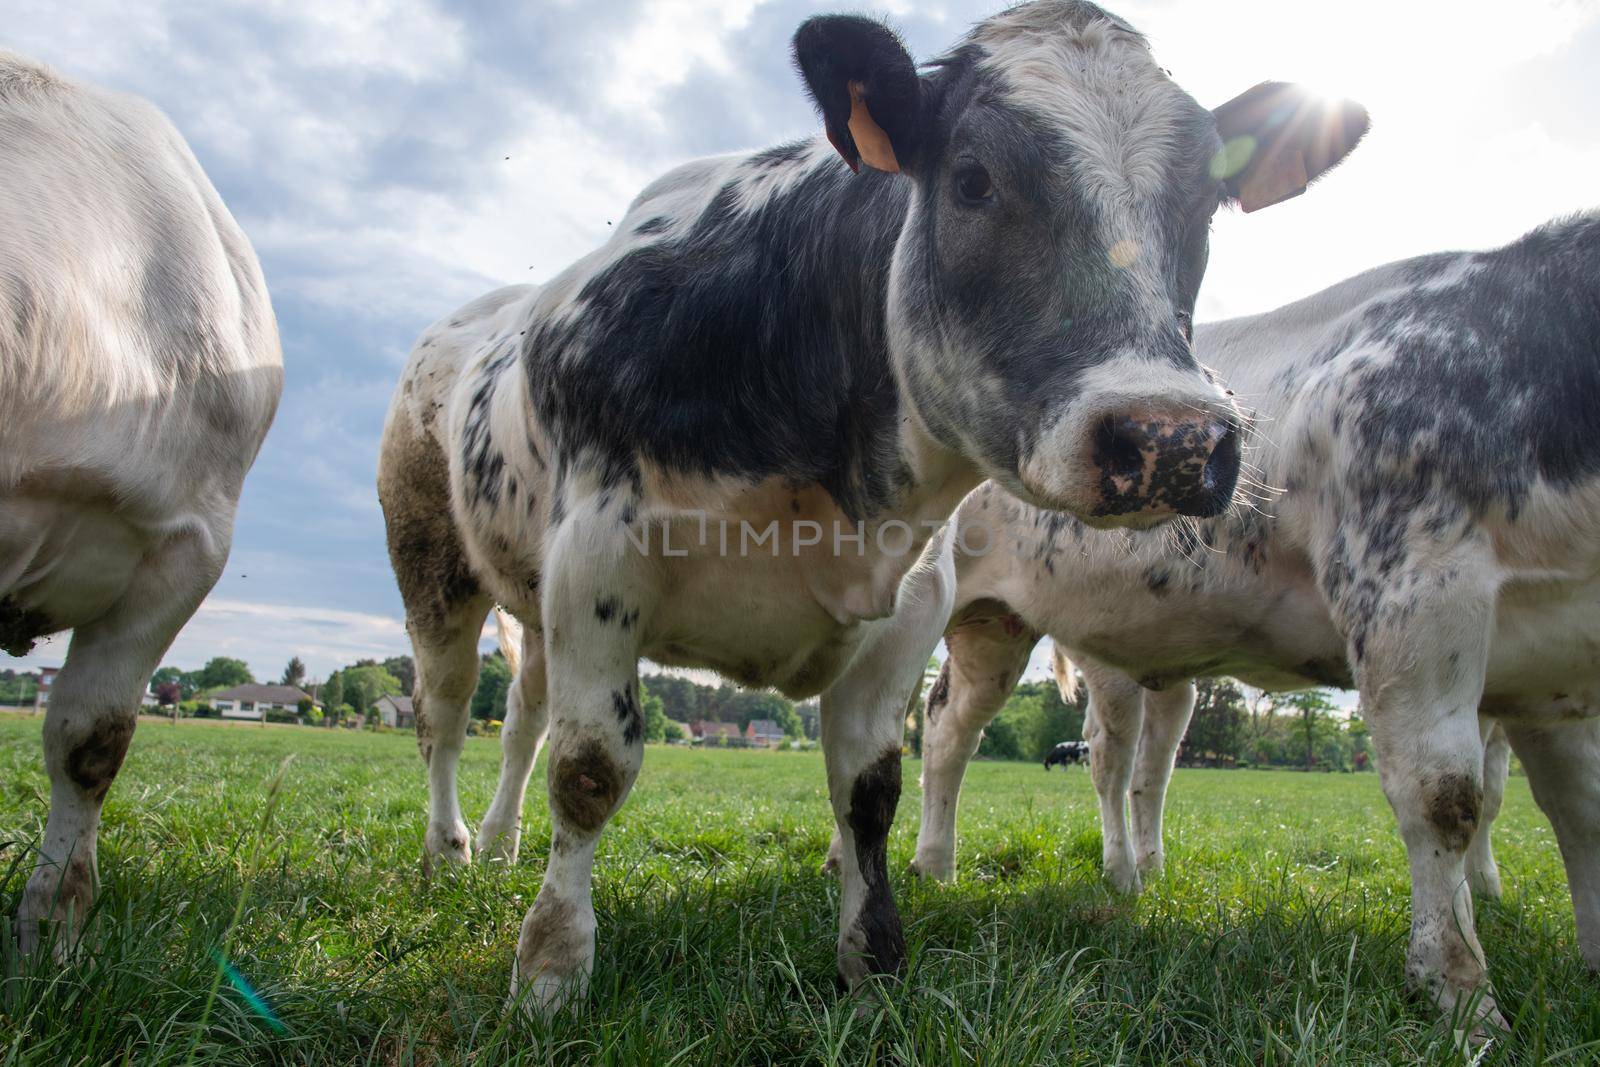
<point x="47" y="678"/>
<point x="726" y="733"/>
<point x="254" y="701"/>
<point x="397" y="712"/>
<point x="764" y="732"/>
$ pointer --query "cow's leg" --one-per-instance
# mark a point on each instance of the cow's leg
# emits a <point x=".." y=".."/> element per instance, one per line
<point x="1166" y="717"/>
<point x="1112" y="726"/>
<point x="988" y="651"/>
<point x="445" y="608"/>
<point x="1563" y="764"/>
<point x="447" y="673"/>
<point x="596" y="740"/>
<point x="94" y="707"/>
<point x="863" y="725"/>
<point x="527" y="722"/>
<point x="1419" y="640"/>
<point x="1481" y="867"/>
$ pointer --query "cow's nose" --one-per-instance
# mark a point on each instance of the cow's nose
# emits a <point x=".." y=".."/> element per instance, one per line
<point x="1163" y="463"/>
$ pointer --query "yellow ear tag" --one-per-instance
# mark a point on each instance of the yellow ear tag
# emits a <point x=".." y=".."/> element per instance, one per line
<point x="1280" y="176"/>
<point x="871" y="141"/>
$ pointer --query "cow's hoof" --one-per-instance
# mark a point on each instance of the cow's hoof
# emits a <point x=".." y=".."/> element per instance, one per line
<point x="52" y="908"/>
<point x="1124" y="880"/>
<point x="830" y="866"/>
<point x="1486" y="882"/>
<point x="497" y="846"/>
<point x="1150" y="866"/>
<point x="937" y="866"/>
<point x="555" y="956"/>
<point x="445" y="846"/>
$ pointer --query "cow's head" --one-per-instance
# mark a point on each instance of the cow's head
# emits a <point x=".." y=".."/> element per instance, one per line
<point x="1062" y="189"/>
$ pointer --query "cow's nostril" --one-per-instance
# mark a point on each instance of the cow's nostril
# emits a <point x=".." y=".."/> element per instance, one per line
<point x="1217" y="478"/>
<point x="1117" y="447"/>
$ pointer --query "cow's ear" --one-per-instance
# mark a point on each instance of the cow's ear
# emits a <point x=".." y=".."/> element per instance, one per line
<point x="866" y="87"/>
<point x="1278" y="138"/>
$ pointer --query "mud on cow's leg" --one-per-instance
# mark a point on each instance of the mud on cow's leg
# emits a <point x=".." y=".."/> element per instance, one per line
<point x="90" y="723"/>
<point x="988" y="648"/>
<point x="599" y="595"/>
<point x="527" y="723"/>
<point x="863" y="726"/>
<point x="1419" y="633"/>
<point x="1112" y="726"/>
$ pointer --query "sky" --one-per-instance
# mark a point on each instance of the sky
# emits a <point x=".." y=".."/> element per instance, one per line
<point x="391" y="160"/>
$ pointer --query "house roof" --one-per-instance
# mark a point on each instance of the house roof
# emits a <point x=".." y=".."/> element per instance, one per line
<point x="400" y="703"/>
<point x="724" y="729"/>
<point x="262" y="694"/>
<point x="766" y="726"/>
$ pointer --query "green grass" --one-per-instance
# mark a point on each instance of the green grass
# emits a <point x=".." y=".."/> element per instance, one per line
<point x="1277" y="935"/>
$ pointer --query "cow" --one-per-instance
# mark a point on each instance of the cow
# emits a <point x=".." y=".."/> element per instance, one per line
<point x="1431" y="431"/>
<point x="139" y="371"/>
<point x="724" y="439"/>
<point x="1067" y="754"/>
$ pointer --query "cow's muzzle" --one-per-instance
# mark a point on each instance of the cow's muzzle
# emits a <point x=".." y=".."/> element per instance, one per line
<point x="1154" y="463"/>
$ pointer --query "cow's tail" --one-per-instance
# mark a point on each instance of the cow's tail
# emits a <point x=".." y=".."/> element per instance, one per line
<point x="510" y="639"/>
<point x="1066" y="676"/>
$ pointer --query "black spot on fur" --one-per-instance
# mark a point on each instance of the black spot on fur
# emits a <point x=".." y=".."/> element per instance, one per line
<point x="626" y="706"/>
<point x="938" y="693"/>
<point x="606" y="608"/>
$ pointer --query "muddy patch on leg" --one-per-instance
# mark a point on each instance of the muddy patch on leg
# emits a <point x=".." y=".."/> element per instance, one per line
<point x="876" y="934"/>
<point x="1454" y="801"/>
<point x="585" y="786"/>
<point x="92" y="763"/>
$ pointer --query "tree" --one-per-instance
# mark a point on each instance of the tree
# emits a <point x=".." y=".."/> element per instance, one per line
<point x="494" y="679"/>
<point x="294" y="673"/>
<point x="185" y="680"/>
<point x="1315" y="710"/>
<point x="655" y="716"/>
<point x="788" y="721"/>
<point x="333" y="697"/>
<point x="168" y="693"/>
<point x="404" y="669"/>
<point x="1216" y="733"/>
<point x="221" y="672"/>
<point x="674" y="731"/>
<point x="364" y="685"/>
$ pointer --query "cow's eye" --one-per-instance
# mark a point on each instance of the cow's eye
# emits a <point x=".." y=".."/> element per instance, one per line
<point x="973" y="184"/>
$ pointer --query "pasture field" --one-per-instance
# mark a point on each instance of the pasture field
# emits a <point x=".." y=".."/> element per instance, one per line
<point x="1276" y="936"/>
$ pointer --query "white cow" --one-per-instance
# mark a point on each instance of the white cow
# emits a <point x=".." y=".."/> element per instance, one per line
<point x="139" y="371"/>
<point x="721" y="439"/>
<point x="1435" y="428"/>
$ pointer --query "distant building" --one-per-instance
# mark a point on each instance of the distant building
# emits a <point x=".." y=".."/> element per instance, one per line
<point x="397" y="712"/>
<point x="763" y="732"/>
<point x="254" y="701"/>
<point x="711" y="731"/>
<point x="47" y="678"/>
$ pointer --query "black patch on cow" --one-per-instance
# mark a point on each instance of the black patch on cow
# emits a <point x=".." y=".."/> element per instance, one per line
<point x="654" y="224"/>
<point x="625" y="704"/>
<point x="938" y="693"/>
<point x="20" y="627"/>
<point x="606" y="607"/>
<point x="873" y="799"/>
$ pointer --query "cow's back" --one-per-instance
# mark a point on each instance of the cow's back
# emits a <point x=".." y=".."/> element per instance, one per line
<point x="135" y="330"/>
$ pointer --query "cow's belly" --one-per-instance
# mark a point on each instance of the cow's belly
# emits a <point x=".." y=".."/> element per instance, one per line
<point x="1546" y="649"/>
<point x="754" y="621"/>
<point x="62" y="564"/>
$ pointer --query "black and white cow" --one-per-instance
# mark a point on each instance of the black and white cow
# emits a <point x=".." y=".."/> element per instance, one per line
<point x="1435" y="428"/>
<point x="1067" y="754"/>
<point x="139" y="371"/>
<point x="724" y="438"/>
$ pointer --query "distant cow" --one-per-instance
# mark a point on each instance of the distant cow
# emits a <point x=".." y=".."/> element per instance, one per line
<point x="1067" y="754"/>
<point x="1435" y="428"/>
<point x="723" y="438"/>
<point x="139" y="371"/>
